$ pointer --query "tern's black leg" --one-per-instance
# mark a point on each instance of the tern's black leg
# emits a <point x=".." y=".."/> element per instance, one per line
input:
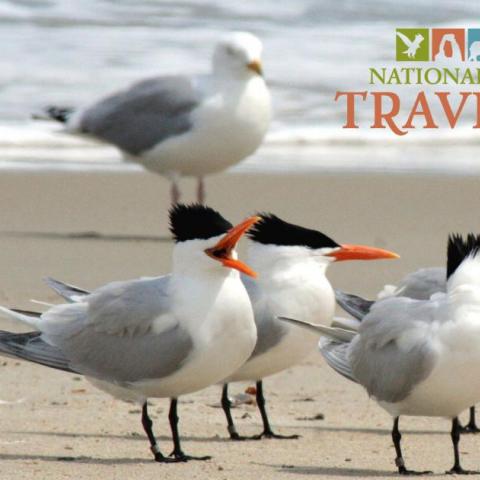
<point x="267" y="430"/>
<point x="471" y="426"/>
<point x="399" y="462"/>
<point x="226" y="405"/>
<point x="177" y="453"/>
<point x="457" y="468"/>
<point x="147" y="426"/>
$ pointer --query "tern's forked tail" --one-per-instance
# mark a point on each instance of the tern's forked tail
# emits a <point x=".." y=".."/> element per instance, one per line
<point x="29" y="346"/>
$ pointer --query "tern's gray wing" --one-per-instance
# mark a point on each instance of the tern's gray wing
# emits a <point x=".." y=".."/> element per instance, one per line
<point x="356" y="306"/>
<point x="123" y="332"/>
<point x="68" y="292"/>
<point x="392" y="352"/>
<point x="423" y="283"/>
<point x="29" y="346"/>
<point x="146" y="114"/>
<point x="269" y="329"/>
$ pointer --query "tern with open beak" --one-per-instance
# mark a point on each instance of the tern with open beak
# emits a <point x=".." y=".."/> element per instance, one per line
<point x="291" y="261"/>
<point x="155" y="337"/>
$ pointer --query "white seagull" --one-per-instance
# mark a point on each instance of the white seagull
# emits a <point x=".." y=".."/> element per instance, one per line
<point x="291" y="262"/>
<point x="185" y="125"/>
<point x="418" y="357"/>
<point x="154" y="337"/>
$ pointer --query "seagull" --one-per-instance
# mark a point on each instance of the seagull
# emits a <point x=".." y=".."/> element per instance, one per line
<point x="291" y="261"/>
<point x="154" y="337"/>
<point x="182" y="125"/>
<point x="418" y="357"/>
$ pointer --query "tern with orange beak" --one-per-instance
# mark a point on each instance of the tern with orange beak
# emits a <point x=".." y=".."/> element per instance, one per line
<point x="155" y="337"/>
<point x="291" y="262"/>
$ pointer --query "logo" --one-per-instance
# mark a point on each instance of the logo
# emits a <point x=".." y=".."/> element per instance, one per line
<point x="448" y="44"/>
<point x="437" y="44"/>
<point x="473" y="44"/>
<point x="446" y="56"/>
<point x="413" y="44"/>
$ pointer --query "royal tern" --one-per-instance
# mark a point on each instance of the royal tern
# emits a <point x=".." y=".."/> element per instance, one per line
<point x="419" y="285"/>
<point x="418" y="357"/>
<point x="185" y="126"/>
<point x="291" y="262"/>
<point x="155" y="337"/>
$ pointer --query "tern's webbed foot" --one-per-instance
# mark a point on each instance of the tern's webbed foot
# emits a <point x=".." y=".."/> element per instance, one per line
<point x="162" y="459"/>
<point x="469" y="428"/>
<point x="236" y="437"/>
<point x="179" y="456"/>
<point x="404" y="471"/>
<point x="460" y="471"/>
<point x="270" y="435"/>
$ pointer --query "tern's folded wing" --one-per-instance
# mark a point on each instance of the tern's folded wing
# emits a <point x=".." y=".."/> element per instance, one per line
<point x="122" y="332"/>
<point x="393" y="351"/>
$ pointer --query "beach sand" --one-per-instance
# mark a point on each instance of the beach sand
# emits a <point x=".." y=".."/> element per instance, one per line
<point x="89" y="229"/>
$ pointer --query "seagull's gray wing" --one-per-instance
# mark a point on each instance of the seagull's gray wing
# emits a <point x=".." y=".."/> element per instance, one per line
<point x="269" y="329"/>
<point x="123" y="332"/>
<point x="392" y="352"/>
<point x="423" y="283"/>
<point x="149" y="112"/>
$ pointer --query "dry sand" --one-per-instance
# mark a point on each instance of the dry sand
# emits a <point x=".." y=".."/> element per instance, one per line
<point x="59" y="426"/>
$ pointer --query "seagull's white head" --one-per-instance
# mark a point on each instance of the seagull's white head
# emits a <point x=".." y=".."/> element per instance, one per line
<point x="205" y="242"/>
<point x="279" y="244"/>
<point x="239" y="54"/>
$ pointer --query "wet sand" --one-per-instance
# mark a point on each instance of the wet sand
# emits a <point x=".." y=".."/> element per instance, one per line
<point x="89" y="229"/>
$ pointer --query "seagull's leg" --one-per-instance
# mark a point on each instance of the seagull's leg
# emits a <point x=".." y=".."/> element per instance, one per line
<point x="174" y="192"/>
<point x="399" y="462"/>
<point x="457" y="468"/>
<point x="226" y="405"/>
<point x="267" y="430"/>
<point x="177" y="453"/>
<point x="147" y="426"/>
<point x="201" y="190"/>
<point x="471" y="426"/>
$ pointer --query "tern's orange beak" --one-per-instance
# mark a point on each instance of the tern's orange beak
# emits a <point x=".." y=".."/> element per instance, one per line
<point x="361" y="252"/>
<point x="222" y="251"/>
<point x="256" y="67"/>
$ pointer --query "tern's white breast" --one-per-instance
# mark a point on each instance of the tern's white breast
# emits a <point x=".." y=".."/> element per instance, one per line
<point x="454" y="383"/>
<point x="220" y="322"/>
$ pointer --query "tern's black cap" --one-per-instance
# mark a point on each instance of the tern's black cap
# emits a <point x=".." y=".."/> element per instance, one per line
<point x="195" y="221"/>
<point x="271" y="230"/>
<point x="459" y="248"/>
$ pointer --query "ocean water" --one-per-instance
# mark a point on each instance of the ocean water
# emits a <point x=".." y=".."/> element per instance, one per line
<point x="72" y="52"/>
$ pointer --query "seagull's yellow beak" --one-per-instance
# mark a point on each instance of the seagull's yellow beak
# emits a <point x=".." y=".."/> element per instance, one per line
<point x="255" y="66"/>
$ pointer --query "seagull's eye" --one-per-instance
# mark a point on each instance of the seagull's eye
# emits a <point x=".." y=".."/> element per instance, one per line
<point x="230" y="50"/>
